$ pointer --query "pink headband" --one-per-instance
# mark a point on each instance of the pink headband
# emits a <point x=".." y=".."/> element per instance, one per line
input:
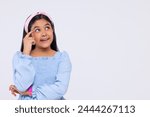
<point x="30" y="18"/>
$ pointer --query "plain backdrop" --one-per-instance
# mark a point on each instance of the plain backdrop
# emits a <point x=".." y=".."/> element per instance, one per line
<point x="108" y="42"/>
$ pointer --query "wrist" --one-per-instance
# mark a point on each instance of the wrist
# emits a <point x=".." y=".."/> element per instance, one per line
<point x="26" y="93"/>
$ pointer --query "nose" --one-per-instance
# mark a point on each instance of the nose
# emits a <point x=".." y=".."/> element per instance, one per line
<point x="43" y="33"/>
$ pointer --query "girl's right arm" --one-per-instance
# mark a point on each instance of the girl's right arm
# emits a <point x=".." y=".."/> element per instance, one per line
<point x="22" y="66"/>
<point x="23" y="71"/>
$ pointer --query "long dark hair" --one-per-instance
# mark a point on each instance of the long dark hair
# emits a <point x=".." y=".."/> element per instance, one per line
<point x="35" y="18"/>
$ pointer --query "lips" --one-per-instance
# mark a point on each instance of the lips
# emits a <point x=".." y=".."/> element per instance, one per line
<point x="44" y="39"/>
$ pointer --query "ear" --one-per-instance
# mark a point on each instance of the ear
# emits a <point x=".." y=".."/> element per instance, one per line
<point x="33" y="43"/>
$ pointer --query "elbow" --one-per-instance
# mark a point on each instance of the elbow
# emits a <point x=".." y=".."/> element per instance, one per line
<point x="62" y="91"/>
<point x="21" y="84"/>
<point x="22" y="87"/>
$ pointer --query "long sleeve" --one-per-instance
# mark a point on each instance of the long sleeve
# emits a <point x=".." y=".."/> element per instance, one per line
<point x="59" y="88"/>
<point x="23" y="71"/>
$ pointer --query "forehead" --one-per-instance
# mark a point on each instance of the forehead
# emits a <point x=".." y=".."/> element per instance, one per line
<point x="40" y="22"/>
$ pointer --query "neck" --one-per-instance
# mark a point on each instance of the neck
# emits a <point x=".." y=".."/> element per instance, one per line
<point x="42" y="52"/>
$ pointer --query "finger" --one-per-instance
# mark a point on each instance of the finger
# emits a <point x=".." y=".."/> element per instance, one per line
<point x="11" y="87"/>
<point x="16" y="91"/>
<point x="29" y="33"/>
<point x="31" y="40"/>
<point x="13" y="93"/>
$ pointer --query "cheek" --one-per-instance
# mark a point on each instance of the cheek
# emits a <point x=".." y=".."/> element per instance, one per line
<point x="51" y="34"/>
<point x="36" y="37"/>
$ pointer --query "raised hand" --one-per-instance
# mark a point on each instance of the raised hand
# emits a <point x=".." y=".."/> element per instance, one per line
<point x="28" y="41"/>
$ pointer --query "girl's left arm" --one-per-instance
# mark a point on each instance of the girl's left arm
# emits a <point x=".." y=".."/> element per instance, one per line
<point x="58" y="89"/>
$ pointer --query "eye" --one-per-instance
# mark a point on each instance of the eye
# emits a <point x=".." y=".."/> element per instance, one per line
<point x="37" y="30"/>
<point x="47" y="27"/>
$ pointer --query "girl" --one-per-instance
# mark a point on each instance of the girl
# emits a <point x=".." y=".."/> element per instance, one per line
<point x="40" y="70"/>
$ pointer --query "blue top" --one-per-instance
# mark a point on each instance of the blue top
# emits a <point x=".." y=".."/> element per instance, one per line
<point x="48" y="76"/>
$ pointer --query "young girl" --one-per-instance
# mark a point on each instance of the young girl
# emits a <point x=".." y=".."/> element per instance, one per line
<point x="40" y="70"/>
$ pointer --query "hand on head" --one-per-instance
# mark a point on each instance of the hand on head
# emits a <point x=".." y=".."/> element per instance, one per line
<point x="28" y="41"/>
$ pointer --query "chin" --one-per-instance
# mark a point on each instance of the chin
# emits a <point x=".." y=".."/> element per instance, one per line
<point x="45" y="47"/>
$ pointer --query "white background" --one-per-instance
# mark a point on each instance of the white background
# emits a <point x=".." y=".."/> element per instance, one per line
<point x="107" y="40"/>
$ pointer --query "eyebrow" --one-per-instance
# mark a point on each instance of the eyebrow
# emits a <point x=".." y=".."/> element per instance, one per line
<point x="35" y="27"/>
<point x="47" y="24"/>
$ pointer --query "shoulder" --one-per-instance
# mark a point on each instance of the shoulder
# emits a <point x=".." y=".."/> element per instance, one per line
<point x="64" y="61"/>
<point x="63" y="55"/>
<point x="19" y="54"/>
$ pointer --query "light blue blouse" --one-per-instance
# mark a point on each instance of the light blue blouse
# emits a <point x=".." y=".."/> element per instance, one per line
<point x="48" y="76"/>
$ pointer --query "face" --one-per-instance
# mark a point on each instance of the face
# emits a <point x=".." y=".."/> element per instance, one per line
<point x="42" y="34"/>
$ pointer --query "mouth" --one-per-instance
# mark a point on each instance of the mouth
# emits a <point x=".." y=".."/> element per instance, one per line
<point x="44" y="39"/>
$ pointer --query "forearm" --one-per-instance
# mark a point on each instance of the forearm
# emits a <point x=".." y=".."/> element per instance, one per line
<point x="23" y="71"/>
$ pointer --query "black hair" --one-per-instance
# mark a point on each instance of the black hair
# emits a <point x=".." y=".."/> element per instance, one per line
<point x="35" y="18"/>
